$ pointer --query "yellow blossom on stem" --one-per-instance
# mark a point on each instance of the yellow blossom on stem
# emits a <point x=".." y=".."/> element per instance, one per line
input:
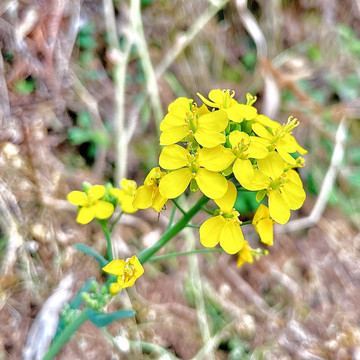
<point x="186" y="122"/>
<point x="245" y="255"/>
<point x="222" y="99"/>
<point x="280" y="139"/>
<point x="264" y="224"/>
<point x="224" y="228"/>
<point x="90" y="205"/>
<point x="125" y="195"/>
<point x="187" y="166"/>
<point x="127" y="272"/>
<point x="148" y="195"/>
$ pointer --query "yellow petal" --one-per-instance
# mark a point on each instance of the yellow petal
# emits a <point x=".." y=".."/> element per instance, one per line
<point x="262" y="212"/>
<point x="206" y="101"/>
<point x="173" y="120"/>
<point x="293" y="176"/>
<point x="243" y="171"/>
<point x="259" y="181"/>
<point x="210" y="231"/>
<point x="217" y="96"/>
<point x="286" y="156"/>
<point x="77" y="197"/>
<point x="279" y="210"/>
<point x="212" y="184"/>
<point x="180" y="104"/>
<point x="173" y="135"/>
<point x="265" y="230"/>
<point x="236" y="137"/>
<point x="115" y="267"/>
<point x="114" y="288"/>
<point x="261" y="131"/>
<point x="239" y="112"/>
<point x="175" y="183"/>
<point x="257" y="150"/>
<point x="202" y="110"/>
<point x="227" y="202"/>
<point x="103" y="209"/>
<point x="215" y="159"/>
<point x="97" y="191"/>
<point x="143" y="198"/>
<point x="209" y="139"/>
<point x="213" y="121"/>
<point x="267" y="122"/>
<point x="273" y="166"/>
<point x="85" y="215"/>
<point x="173" y="157"/>
<point x="159" y="201"/>
<point x="139" y="270"/>
<point x="231" y="237"/>
<point x="294" y="195"/>
<point x="128" y="185"/>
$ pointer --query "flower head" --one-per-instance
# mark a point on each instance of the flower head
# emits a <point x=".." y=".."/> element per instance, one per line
<point x="185" y="121"/>
<point x="127" y="272"/>
<point x="224" y="228"/>
<point x="224" y="100"/>
<point x="125" y="195"/>
<point x="90" y="205"/>
<point x="245" y="255"/>
<point x="148" y="195"/>
<point x="264" y="225"/>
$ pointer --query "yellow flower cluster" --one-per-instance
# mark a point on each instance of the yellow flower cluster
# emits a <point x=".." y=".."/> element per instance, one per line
<point x="205" y="148"/>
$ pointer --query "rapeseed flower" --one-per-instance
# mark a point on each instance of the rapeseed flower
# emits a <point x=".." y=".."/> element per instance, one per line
<point x="284" y="188"/>
<point x="280" y="139"/>
<point x="187" y="166"/>
<point x="264" y="224"/>
<point x="225" y="227"/>
<point x="148" y="195"/>
<point x="125" y="195"/>
<point x="245" y="255"/>
<point x="90" y="205"/>
<point x="127" y="271"/>
<point x="186" y="122"/>
<point x="222" y="99"/>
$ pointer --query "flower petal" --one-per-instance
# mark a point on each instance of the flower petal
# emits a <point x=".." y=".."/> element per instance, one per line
<point x="143" y="198"/>
<point x="227" y="202"/>
<point x="273" y="165"/>
<point x="267" y="122"/>
<point x="236" y="137"/>
<point x="279" y="210"/>
<point x="215" y="159"/>
<point x="213" y="121"/>
<point x="261" y="131"/>
<point x="115" y="267"/>
<point x="257" y="150"/>
<point x="206" y="101"/>
<point x="294" y="195"/>
<point x="217" y="96"/>
<point x="77" y="197"/>
<point x="104" y="210"/>
<point x="85" y="215"/>
<point x="175" y="183"/>
<point x="159" y="201"/>
<point x="209" y="139"/>
<point x="97" y="191"/>
<point x="265" y="230"/>
<point x="210" y="231"/>
<point x="173" y="157"/>
<point x="239" y="112"/>
<point x="243" y="171"/>
<point x="231" y="237"/>
<point x="173" y="135"/>
<point x="212" y="184"/>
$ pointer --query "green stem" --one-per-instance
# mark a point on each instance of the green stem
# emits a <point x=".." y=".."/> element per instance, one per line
<point x="193" y="226"/>
<point x="171" y="217"/>
<point x="208" y="211"/>
<point x="104" y="226"/>
<point x="246" y="223"/>
<point x="65" y="335"/>
<point x="178" y="206"/>
<point x="115" y="222"/>
<point x="145" y="254"/>
<point x="184" y="253"/>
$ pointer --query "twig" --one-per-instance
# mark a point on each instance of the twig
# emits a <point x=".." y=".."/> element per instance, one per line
<point x="5" y="119"/>
<point x="326" y="187"/>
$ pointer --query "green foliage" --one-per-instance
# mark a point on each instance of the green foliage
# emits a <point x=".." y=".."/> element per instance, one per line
<point x="246" y="202"/>
<point x="103" y="319"/>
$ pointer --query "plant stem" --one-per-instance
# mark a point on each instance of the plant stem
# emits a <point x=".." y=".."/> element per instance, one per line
<point x="184" y="253"/>
<point x="171" y="217"/>
<point x="65" y="335"/>
<point x="178" y="206"/>
<point x="145" y="254"/>
<point x="246" y="223"/>
<point x="115" y="222"/>
<point x="104" y="226"/>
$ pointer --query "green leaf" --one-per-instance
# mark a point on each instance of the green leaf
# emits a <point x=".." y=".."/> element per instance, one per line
<point x="86" y="249"/>
<point x="103" y="319"/>
<point x="75" y="304"/>
<point x="79" y="136"/>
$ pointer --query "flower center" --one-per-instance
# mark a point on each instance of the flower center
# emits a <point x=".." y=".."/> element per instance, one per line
<point x="240" y="148"/>
<point x="192" y="163"/>
<point x="278" y="183"/>
<point x="227" y="99"/>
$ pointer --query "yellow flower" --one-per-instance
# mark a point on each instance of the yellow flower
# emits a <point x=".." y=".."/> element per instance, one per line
<point x="245" y="147"/>
<point x="185" y="121"/>
<point x="125" y="195"/>
<point x="148" y="195"/>
<point x="127" y="272"/>
<point x="90" y="205"/>
<point x="198" y="166"/>
<point x="264" y="225"/>
<point x="245" y="255"/>
<point x="280" y="139"/>
<point x="222" y="99"/>
<point x="284" y="188"/>
<point x="224" y="228"/>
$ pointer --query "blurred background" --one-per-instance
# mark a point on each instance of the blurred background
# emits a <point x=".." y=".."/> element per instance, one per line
<point x="83" y="88"/>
